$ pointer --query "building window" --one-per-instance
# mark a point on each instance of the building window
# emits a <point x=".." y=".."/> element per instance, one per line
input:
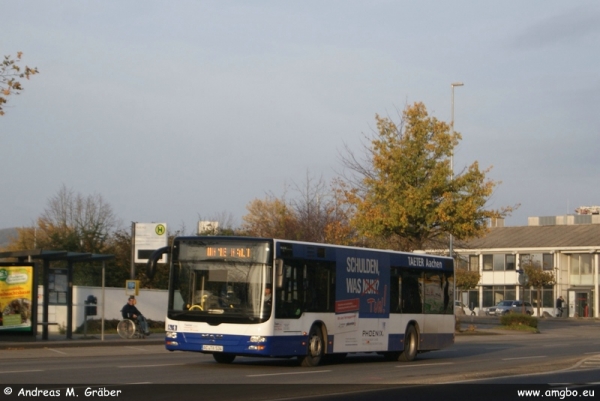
<point x="581" y="267"/>
<point x="468" y="262"/>
<point x="585" y="265"/>
<point x="488" y="262"/>
<point x="474" y="263"/>
<point x="499" y="262"/>
<point x="546" y="298"/>
<point x="510" y="262"/>
<point x="494" y="294"/>
<point x="543" y="260"/>
<point x="470" y="298"/>
<point x="488" y="299"/>
<point x="473" y="299"/>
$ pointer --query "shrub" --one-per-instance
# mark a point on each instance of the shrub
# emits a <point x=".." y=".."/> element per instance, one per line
<point x="518" y="319"/>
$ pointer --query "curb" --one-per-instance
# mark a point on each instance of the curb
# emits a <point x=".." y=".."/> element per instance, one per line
<point x="79" y="342"/>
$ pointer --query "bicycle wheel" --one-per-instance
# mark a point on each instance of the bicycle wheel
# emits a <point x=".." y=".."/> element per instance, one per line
<point x="126" y="328"/>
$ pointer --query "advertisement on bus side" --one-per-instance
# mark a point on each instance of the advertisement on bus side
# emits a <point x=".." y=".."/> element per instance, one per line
<point x="363" y="283"/>
<point x="362" y="301"/>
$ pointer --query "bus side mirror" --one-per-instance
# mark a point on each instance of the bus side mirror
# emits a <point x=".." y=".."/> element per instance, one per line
<point x="153" y="260"/>
<point x="279" y="273"/>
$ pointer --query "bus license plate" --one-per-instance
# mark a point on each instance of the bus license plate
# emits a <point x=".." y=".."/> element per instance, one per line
<point x="218" y="348"/>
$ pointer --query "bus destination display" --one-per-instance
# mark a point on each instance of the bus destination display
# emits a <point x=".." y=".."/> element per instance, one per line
<point x="228" y="252"/>
<point x="241" y="251"/>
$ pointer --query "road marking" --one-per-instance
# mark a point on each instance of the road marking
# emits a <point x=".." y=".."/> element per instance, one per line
<point x="151" y="366"/>
<point x="57" y="351"/>
<point x="424" y="364"/>
<point x="293" y="373"/>
<point x="592" y="362"/>
<point x="21" y="371"/>
<point x="136" y="348"/>
<point x="524" y="357"/>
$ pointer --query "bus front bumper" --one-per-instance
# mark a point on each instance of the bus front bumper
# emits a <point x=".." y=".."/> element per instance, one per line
<point x="236" y="344"/>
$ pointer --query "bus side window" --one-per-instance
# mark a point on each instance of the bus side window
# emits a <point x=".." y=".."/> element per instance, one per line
<point x="395" y="291"/>
<point x="332" y="289"/>
<point x="411" y="291"/>
<point x="320" y="288"/>
<point x="434" y="293"/>
<point x="288" y="302"/>
<point x="449" y="292"/>
<point x="316" y="287"/>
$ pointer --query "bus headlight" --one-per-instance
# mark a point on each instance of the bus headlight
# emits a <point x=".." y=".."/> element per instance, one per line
<point x="171" y="334"/>
<point x="258" y="339"/>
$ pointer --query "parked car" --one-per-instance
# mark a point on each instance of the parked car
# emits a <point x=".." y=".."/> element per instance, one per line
<point x="507" y="306"/>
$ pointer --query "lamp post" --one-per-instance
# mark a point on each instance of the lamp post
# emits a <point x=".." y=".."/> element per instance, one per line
<point x="452" y="85"/>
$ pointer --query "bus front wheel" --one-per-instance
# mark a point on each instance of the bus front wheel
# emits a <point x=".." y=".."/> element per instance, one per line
<point x="223" y="357"/>
<point x="411" y="345"/>
<point x="315" y="349"/>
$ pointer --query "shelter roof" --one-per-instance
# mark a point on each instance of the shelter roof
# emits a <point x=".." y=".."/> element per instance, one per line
<point x="55" y="255"/>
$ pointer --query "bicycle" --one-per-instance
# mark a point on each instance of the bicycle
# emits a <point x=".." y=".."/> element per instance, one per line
<point x="127" y="329"/>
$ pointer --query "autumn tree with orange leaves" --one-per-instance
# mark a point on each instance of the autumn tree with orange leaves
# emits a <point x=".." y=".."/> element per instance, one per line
<point x="317" y="214"/>
<point x="404" y="193"/>
<point x="10" y="72"/>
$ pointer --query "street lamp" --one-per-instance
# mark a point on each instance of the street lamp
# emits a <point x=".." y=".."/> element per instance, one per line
<point x="452" y="85"/>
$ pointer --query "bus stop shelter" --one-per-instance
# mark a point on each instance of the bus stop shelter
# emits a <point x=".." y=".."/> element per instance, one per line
<point x="46" y="257"/>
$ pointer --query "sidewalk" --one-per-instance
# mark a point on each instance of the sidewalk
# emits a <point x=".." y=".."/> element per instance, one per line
<point x="491" y="324"/>
<point x="483" y="324"/>
<point x="56" y="340"/>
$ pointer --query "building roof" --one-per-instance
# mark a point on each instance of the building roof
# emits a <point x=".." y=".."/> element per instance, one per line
<point x="556" y="236"/>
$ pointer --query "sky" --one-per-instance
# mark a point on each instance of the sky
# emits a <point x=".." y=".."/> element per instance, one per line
<point x="183" y="111"/>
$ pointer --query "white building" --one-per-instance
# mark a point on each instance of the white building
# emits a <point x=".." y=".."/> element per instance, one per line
<point x="568" y="246"/>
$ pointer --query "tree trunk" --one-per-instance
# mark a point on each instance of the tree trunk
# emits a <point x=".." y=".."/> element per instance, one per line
<point x="538" y="301"/>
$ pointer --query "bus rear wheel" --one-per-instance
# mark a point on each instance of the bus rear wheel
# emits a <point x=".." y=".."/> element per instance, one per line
<point x="315" y="349"/>
<point x="411" y="345"/>
<point x="223" y="357"/>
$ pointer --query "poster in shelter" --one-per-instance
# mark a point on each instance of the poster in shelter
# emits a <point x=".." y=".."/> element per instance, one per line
<point x="16" y="297"/>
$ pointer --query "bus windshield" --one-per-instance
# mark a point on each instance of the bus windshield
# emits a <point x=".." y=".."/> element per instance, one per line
<point x="220" y="284"/>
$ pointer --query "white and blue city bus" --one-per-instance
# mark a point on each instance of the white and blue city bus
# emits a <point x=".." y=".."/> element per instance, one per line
<point x="327" y="300"/>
